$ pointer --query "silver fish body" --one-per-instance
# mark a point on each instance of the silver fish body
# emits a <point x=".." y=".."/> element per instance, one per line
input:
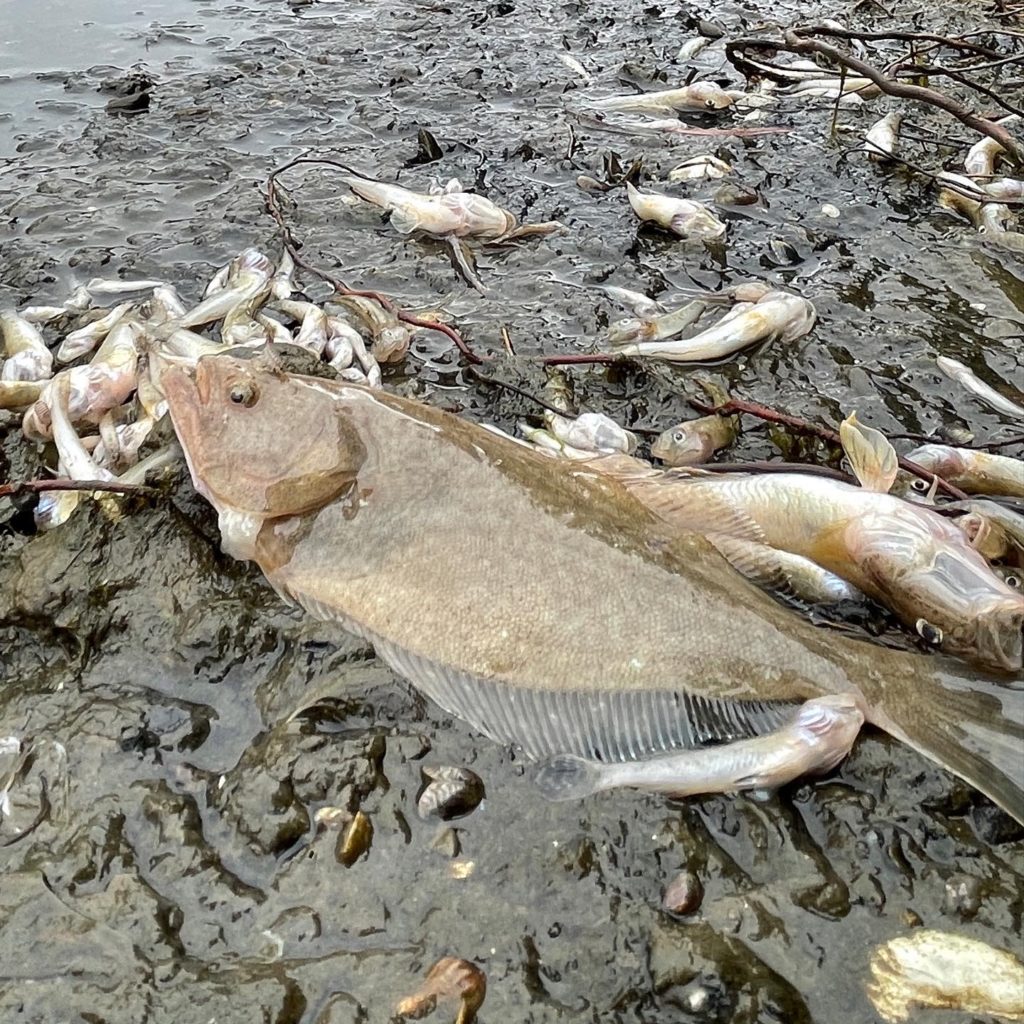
<point x="882" y="137"/>
<point x="699" y="96"/>
<point x="968" y="380"/>
<point x="683" y="217"/>
<point x="974" y="471"/>
<point x="26" y="356"/>
<point x="694" y="441"/>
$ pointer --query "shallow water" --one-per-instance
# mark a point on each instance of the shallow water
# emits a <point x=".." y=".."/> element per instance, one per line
<point x="180" y="875"/>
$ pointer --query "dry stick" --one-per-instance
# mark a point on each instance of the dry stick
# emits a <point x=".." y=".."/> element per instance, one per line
<point x="20" y="487"/>
<point x="739" y="405"/>
<point x="958" y="76"/>
<point x="793" y="43"/>
<point x="290" y="243"/>
<point x="904" y="37"/>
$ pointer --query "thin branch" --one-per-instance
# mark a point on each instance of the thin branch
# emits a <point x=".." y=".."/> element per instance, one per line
<point x="903" y="37"/>
<point x="515" y="389"/>
<point x="18" y="488"/>
<point x="794" y="43"/>
<point x="763" y="412"/>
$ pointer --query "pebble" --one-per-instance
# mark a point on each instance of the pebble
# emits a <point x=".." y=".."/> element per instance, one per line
<point x="684" y="894"/>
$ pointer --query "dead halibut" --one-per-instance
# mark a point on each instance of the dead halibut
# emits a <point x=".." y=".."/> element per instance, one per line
<point x="537" y="600"/>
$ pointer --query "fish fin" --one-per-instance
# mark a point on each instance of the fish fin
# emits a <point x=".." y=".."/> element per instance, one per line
<point x="872" y="458"/>
<point x="757" y="562"/>
<point x="973" y="729"/>
<point x="683" y="502"/>
<point x="403" y="221"/>
<point x="567" y="777"/>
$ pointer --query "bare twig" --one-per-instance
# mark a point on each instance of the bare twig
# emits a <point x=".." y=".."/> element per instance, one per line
<point x="17" y="488"/>
<point x="795" y="43"/>
<point x="951" y="41"/>
<point x="763" y="412"/>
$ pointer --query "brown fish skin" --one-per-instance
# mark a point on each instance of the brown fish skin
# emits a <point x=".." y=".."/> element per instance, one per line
<point x="457" y="548"/>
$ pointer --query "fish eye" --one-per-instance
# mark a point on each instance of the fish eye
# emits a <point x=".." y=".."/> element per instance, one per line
<point x="1011" y="579"/>
<point x="245" y="393"/>
<point x="678" y="435"/>
<point x="920" y="485"/>
<point x="710" y="104"/>
<point x="930" y="634"/>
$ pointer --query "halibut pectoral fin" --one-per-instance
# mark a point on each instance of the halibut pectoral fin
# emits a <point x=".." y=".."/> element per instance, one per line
<point x="819" y="735"/>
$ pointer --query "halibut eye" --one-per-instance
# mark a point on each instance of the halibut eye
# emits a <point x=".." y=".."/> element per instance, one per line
<point x="244" y="394"/>
<point x="920" y="485"/>
<point x="1012" y="580"/>
<point x="931" y="635"/>
<point x="678" y="436"/>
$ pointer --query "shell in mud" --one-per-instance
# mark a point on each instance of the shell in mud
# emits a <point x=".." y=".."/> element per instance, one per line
<point x="940" y="969"/>
<point x="453" y="792"/>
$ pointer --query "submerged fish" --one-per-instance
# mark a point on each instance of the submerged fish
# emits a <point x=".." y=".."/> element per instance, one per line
<point x="699" y="96"/>
<point x="968" y="380"/>
<point x="522" y="635"/>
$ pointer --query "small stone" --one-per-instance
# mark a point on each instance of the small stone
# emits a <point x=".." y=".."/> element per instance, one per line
<point x="831" y="211"/>
<point x="355" y="840"/>
<point x="447" y="842"/>
<point x="963" y="896"/>
<point x="684" y="894"/>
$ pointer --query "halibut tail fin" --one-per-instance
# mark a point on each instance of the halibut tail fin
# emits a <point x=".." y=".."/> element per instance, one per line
<point x="974" y="728"/>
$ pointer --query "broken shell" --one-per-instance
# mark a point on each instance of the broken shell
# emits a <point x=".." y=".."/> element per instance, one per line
<point x="355" y="840"/>
<point x="940" y="969"/>
<point x="453" y="792"/>
<point x="449" y="978"/>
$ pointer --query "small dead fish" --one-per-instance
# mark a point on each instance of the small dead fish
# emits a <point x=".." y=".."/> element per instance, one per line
<point x="698" y="167"/>
<point x="248" y="282"/>
<point x="882" y="137"/>
<point x="960" y="197"/>
<point x="283" y="284"/>
<point x="27" y="357"/>
<point x="390" y="337"/>
<point x="640" y="304"/>
<point x="981" y="158"/>
<point x="778" y="314"/>
<point x="458" y="214"/>
<point x="95" y="388"/>
<point x="784" y="573"/>
<point x="683" y="217"/>
<point x="694" y="441"/>
<point x="453" y="792"/>
<point x="818" y="738"/>
<point x="85" y="339"/>
<point x="701" y="96"/>
<point x="968" y="380"/>
<point x="692" y="47"/>
<point x="450" y="978"/>
<point x="942" y="969"/>
<point x="576" y="67"/>
<point x="114" y="286"/>
<point x="655" y="328"/>
<point x="20" y="394"/>
<point x="591" y="432"/>
<point x="834" y="88"/>
<point x="42" y="314"/>
<point x="166" y="304"/>
<point x="1004" y="188"/>
<point x="976" y="472"/>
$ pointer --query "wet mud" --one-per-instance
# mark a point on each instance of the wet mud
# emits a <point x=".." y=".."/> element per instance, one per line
<point x="163" y="858"/>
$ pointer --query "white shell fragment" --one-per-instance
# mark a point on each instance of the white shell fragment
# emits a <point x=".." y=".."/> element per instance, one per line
<point x="939" y="969"/>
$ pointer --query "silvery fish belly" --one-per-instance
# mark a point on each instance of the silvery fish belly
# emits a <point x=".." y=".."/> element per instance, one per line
<point x="534" y="598"/>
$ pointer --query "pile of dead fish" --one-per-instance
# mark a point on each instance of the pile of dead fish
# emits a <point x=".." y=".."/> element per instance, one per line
<point x="111" y="394"/>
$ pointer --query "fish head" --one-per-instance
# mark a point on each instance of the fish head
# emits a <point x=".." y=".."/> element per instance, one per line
<point x="931" y="576"/>
<point x="681" y="446"/>
<point x="259" y="441"/>
<point x="711" y="96"/>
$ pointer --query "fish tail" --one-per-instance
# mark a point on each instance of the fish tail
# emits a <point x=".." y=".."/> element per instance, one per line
<point x="973" y="728"/>
<point x="567" y="777"/>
